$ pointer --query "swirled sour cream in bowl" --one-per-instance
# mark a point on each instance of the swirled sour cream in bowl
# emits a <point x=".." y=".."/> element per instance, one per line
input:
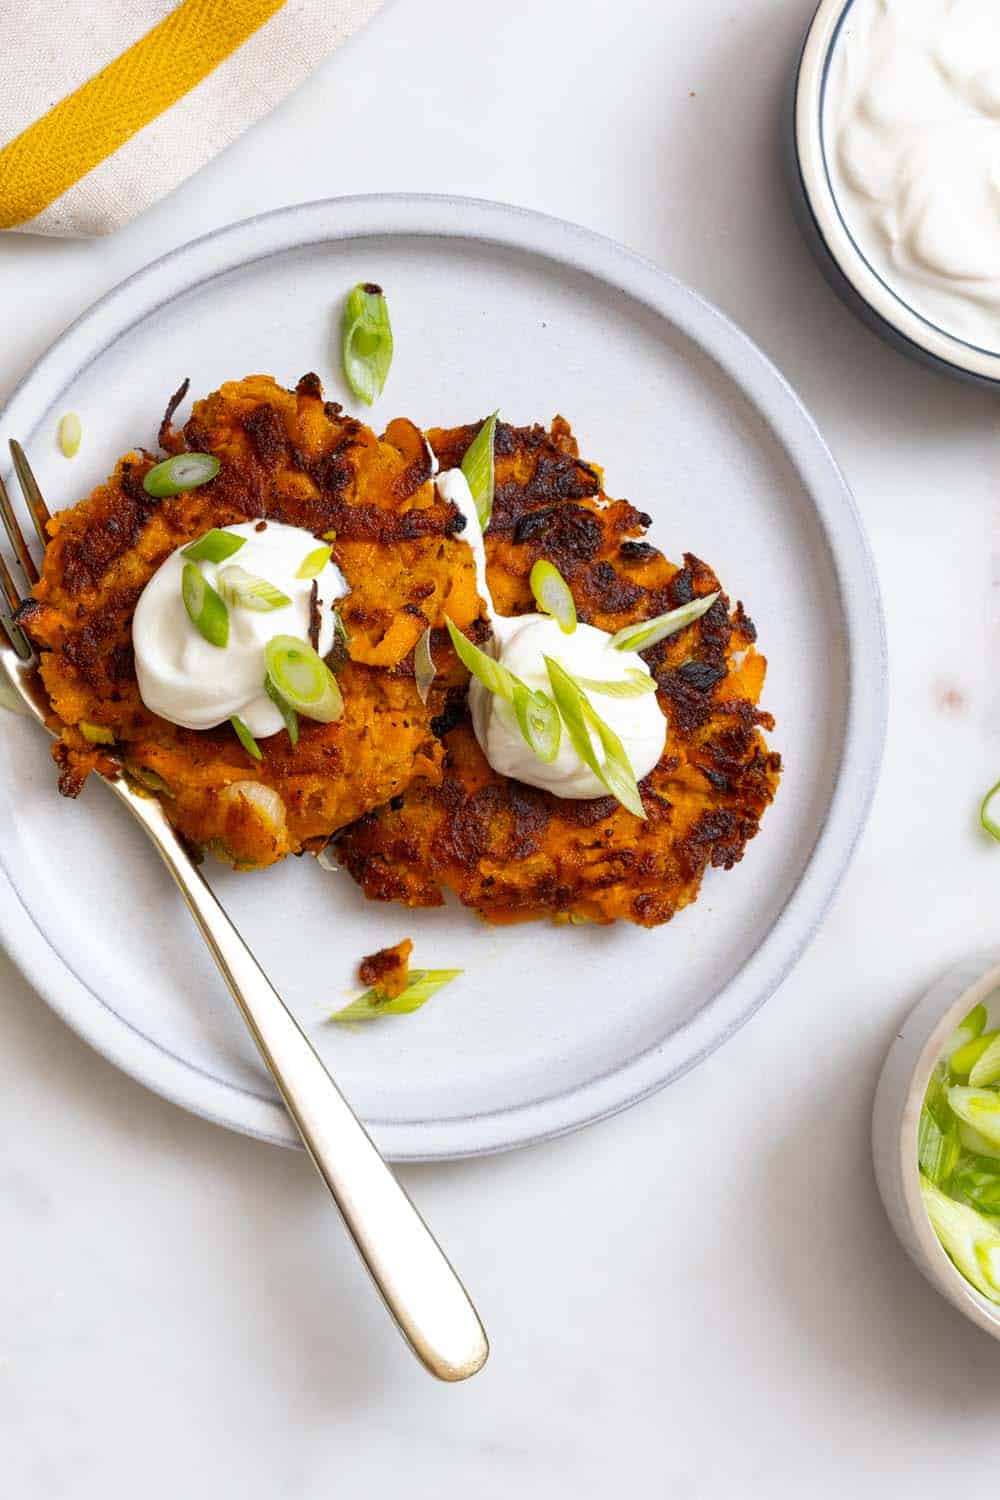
<point x="189" y="681"/>
<point x="896" y="147"/>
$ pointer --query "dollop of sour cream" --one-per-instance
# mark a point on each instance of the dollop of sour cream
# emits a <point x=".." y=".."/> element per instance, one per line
<point x="521" y="644"/>
<point x="188" y="681"/>
<point x="912" y="124"/>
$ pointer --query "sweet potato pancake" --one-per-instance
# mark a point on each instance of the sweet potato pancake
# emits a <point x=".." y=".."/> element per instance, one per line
<point x="290" y="457"/>
<point x="513" y="852"/>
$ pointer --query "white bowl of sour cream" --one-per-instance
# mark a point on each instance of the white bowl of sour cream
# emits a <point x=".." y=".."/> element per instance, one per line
<point x="895" y="137"/>
<point x="899" y="1098"/>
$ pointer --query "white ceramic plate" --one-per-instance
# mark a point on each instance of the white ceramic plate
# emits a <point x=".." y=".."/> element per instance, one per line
<point x="549" y="1028"/>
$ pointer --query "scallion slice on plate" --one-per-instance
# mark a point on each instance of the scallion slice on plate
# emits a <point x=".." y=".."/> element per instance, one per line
<point x="477" y="466"/>
<point x="989" y="813"/>
<point x="971" y="1027"/>
<point x="366" y="341"/>
<point x="246" y="739"/>
<point x="979" y="1108"/>
<point x="985" y="1067"/>
<point x="615" y="770"/>
<point x="70" y="435"/>
<point x="636" y="684"/>
<point x="185" y="471"/>
<point x="423" y="984"/>
<point x="215" y="546"/>
<point x="303" y="679"/>
<point x="424" y="670"/>
<point x="314" y="562"/>
<point x="246" y="591"/>
<point x="206" y="610"/>
<point x="285" y="709"/>
<point x="650" y="632"/>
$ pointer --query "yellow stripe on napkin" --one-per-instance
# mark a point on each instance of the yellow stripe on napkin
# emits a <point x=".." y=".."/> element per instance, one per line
<point x="90" y="124"/>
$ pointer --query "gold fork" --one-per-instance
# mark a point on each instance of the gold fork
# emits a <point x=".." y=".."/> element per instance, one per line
<point x="420" y="1288"/>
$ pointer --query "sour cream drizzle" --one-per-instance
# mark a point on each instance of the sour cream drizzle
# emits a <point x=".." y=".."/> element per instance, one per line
<point x="188" y="681"/>
<point x="912" y="122"/>
<point x="522" y="642"/>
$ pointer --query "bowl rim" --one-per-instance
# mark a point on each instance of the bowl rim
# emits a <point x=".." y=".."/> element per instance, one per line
<point x="961" y="1292"/>
<point x="908" y="325"/>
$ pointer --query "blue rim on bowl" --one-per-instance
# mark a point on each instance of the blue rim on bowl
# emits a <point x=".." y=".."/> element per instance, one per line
<point x="818" y="213"/>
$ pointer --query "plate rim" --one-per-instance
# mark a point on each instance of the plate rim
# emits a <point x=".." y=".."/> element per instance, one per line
<point x="297" y="226"/>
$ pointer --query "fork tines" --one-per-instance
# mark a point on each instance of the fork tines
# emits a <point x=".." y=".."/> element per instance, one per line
<point x="39" y="513"/>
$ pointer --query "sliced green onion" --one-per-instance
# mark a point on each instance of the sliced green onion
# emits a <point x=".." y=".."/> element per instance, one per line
<point x="979" y="1108"/>
<point x="986" y="1067"/>
<point x="246" y="739"/>
<point x="636" y="684"/>
<point x="489" y="672"/>
<point x="303" y="679"/>
<point x="973" y="1025"/>
<point x="206" y="611"/>
<point x="615" y="771"/>
<point x="246" y="590"/>
<point x="938" y="1149"/>
<point x="989" y="813"/>
<point x="424" y="670"/>
<point x="971" y="1241"/>
<point x="286" y="711"/>
<point x="538" y="720"/>
<point x="649" y="632"/>
<point x="185" y="471"/>
<point x="96" y="734"/>
<point x="215" y="546"/>
<point x="70" y="435"/>
<point x="367" y="341"/>
<point x="965" y="1058"/>
<point x="978" y="1144"/>
<point x="314" y="562"/>
<point x="423" y="984"/>
<point x="552" y="595"/>
<point x="477" y="466"/>
<point x="978" y="1180"/>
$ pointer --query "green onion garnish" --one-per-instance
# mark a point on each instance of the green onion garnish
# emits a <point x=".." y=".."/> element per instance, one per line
<point x="477" y="466"/>
<point x="985" y="1068"/>
<point x="424" y="670"/>
<point x="367" y="341"/>
<point x="615" y="771"/>
<point x="246" y="590"/>
<point x="964" y="1059"/>
<point x="185" y="471"/>
<point x="70" y="435"/>
<point x="96" y="734"/>
<point x="535" y="712"/>
<point x="303" y="679"/>
<point x="636" y="684"/>
<point x="285" y="709"/>
<point x="215" y="546"/>
<point x="649" y="632"/>
<point x="938" y="1143"/>
<point x="314" y="562"/>
<point x="246" y="739"/>
<point x="989" y="813"/>
<point x="538" y="720"/>
<point x="979" y="1108"/>
<point x="206" y="611"/>
<point x="552" y="595"/>
<point x="423" y="984"/>
<point x="489" y="672"/>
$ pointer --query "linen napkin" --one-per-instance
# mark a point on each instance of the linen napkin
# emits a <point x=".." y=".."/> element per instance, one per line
<point x="108" y="104"/>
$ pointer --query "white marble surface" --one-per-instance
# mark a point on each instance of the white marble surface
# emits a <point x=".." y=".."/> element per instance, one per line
<point x="701" y="1298"/>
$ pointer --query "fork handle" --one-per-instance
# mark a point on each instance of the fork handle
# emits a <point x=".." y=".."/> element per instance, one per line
<point x="421" y="1290"/>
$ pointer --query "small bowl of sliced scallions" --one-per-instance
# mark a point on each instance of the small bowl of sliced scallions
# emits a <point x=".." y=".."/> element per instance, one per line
<point x="936" y="1137"/>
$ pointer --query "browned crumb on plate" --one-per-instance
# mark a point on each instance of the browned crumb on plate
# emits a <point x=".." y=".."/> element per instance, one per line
<point x="387" y="971"/>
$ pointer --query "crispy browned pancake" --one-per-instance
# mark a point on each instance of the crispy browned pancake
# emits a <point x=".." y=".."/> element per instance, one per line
<point x="292" y="457"/>
<point x="513" y="852"/>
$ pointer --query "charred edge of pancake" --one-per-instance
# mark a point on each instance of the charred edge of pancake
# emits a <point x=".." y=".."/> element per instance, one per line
<point x="169" y="440"/>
